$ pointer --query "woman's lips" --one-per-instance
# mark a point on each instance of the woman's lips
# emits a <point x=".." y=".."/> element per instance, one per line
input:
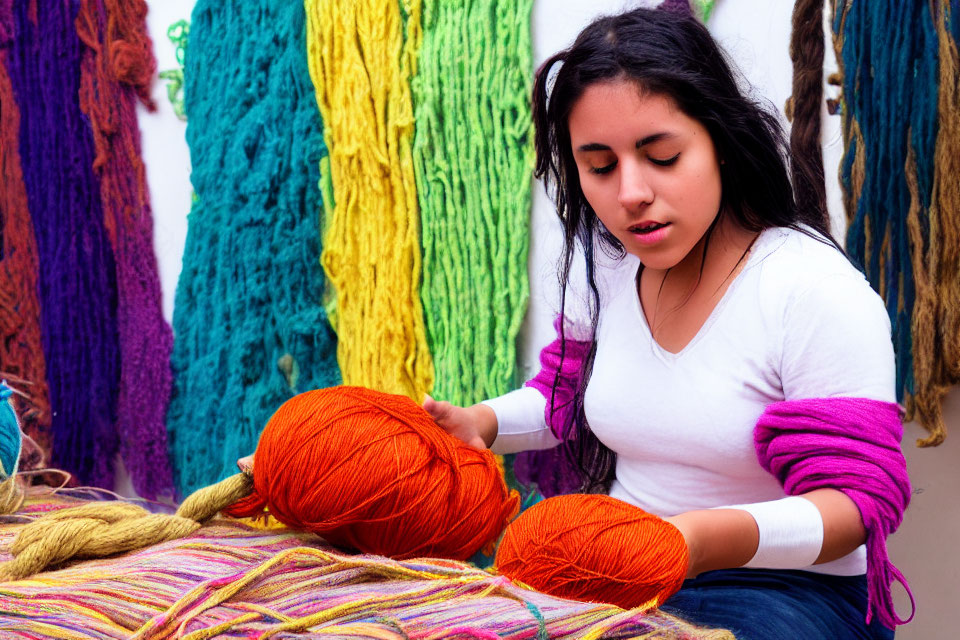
<point x="652" y="234"/>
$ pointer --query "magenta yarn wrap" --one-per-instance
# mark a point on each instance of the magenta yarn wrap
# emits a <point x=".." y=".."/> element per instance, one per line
<point x="566" y="357"/>
<point x="852" y="445"/>
<point x="551" y="470"/>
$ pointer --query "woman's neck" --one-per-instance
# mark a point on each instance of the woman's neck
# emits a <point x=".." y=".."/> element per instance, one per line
<point x="677" y="301"/>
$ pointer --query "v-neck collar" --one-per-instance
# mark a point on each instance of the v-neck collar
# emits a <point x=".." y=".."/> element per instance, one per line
<point x="766" y="242"/>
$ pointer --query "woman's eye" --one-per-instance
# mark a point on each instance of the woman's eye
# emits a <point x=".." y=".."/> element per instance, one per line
<point x="602" y="170"/>
<point x="665" y="162"/>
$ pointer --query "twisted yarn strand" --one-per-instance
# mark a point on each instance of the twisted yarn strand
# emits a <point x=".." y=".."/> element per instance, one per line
<point x="361" y="64"/>
<point x="103" y="529"/>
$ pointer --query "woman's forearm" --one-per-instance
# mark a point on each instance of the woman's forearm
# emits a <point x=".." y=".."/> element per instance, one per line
<point x="727" y="538"/>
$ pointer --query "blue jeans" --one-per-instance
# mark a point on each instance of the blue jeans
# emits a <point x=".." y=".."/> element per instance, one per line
<point x="766" y="604"/>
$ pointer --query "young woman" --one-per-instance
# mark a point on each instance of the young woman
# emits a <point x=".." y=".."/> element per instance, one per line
<point x="709" y="296"/>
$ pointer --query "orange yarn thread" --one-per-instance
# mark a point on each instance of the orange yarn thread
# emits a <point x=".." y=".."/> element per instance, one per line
<point x="372" y="471"/>
<point x="595" y="548"/>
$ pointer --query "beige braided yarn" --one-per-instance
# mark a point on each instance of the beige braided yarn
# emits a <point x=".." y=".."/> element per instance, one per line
<point x="107" y="528"/>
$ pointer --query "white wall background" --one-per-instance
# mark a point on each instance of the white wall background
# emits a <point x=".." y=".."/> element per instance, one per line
<point x="756" y="34"/>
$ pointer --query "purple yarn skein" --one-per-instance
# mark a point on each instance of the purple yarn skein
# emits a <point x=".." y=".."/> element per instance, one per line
<point x="77" y="279"/>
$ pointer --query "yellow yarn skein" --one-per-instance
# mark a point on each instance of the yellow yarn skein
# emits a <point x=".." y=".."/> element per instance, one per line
<point x="361" y="55"/>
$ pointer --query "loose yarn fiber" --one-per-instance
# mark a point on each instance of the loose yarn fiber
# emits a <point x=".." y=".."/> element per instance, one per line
<point x="372" y="471"/>
<point x="248" y="315"/>
<point x="362" y="54"/>
<point x="596" y="548"/>
<point x="116" y="68"/>
<point x="21" y="347"/>
<point x="77" y="272"/>
<point x="473" y="158"/>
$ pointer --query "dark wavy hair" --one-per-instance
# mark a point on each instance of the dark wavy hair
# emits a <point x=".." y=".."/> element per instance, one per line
<point x="672" y="55"/>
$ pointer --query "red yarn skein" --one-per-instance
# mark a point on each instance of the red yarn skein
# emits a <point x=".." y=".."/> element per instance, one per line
<point x="372" y="471"/>
<point x="595" y="548"/>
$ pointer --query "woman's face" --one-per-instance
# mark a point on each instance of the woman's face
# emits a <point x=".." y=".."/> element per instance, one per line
<point x="649" y="171"/>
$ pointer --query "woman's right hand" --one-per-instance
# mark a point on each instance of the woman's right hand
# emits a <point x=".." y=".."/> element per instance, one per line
<point x="476" y="425"/>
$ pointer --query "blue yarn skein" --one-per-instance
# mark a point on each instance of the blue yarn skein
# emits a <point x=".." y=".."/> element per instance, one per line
<point x="11" y="438"/>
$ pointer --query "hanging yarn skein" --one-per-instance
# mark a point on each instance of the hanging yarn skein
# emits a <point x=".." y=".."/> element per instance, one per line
<point x="77" y="273"/>
<point x="473" y="159"/>
<point x="362" y="54"/>
<point x="21" y="347"/>
<point x="363" y="469"/>
<point x="248" y="315"/>
<point x="898" y="174"/>
<point x="803" y="108"/>
<point x="936" y="255"/>
<point x="596" y="548"/>
<point x="116" y="69"/>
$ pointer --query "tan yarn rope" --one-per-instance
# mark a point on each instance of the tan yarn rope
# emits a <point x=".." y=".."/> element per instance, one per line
<point x="106" y="528"/>
<point x="11" y="496"/>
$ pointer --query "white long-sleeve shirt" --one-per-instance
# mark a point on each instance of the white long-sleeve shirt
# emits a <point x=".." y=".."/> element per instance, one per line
<point x="799" y="321"/>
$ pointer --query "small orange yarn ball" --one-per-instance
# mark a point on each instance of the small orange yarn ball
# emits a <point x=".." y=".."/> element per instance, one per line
<point x="594" y="548"/>
<point x="373" y="472"/>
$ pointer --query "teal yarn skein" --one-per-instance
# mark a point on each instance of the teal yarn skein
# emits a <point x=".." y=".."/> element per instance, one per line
<point x="896" y="113"/>
<point x="11" y="438"/>
<point x="249" y="322"/>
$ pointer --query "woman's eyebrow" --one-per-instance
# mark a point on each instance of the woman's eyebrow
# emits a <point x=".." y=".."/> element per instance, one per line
<point x="655" y="137"/>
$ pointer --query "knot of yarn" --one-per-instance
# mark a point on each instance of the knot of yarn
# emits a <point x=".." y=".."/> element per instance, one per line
<point x="595" y="548"/>
<point x="132" y="64"/>
<point x="372" y="471"/>
<point x="107" y="528"/>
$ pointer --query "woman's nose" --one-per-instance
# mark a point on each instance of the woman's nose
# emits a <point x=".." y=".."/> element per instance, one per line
<point x="635" y="190"/>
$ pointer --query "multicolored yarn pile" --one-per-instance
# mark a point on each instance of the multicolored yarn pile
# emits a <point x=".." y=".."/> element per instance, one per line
<point x="230" y="579"/>
<point x="73" y="72"/>
<point x="899" y="175"/>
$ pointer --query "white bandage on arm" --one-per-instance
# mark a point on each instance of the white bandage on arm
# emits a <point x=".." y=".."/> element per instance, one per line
<point x="791" y="533"/>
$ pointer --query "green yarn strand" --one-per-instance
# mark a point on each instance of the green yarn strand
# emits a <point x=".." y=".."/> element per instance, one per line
<point x="473" y="159"/>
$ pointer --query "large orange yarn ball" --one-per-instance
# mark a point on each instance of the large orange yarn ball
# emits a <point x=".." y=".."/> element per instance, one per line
<point x="594" y="548"/>
<point x="373" y="472"/>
